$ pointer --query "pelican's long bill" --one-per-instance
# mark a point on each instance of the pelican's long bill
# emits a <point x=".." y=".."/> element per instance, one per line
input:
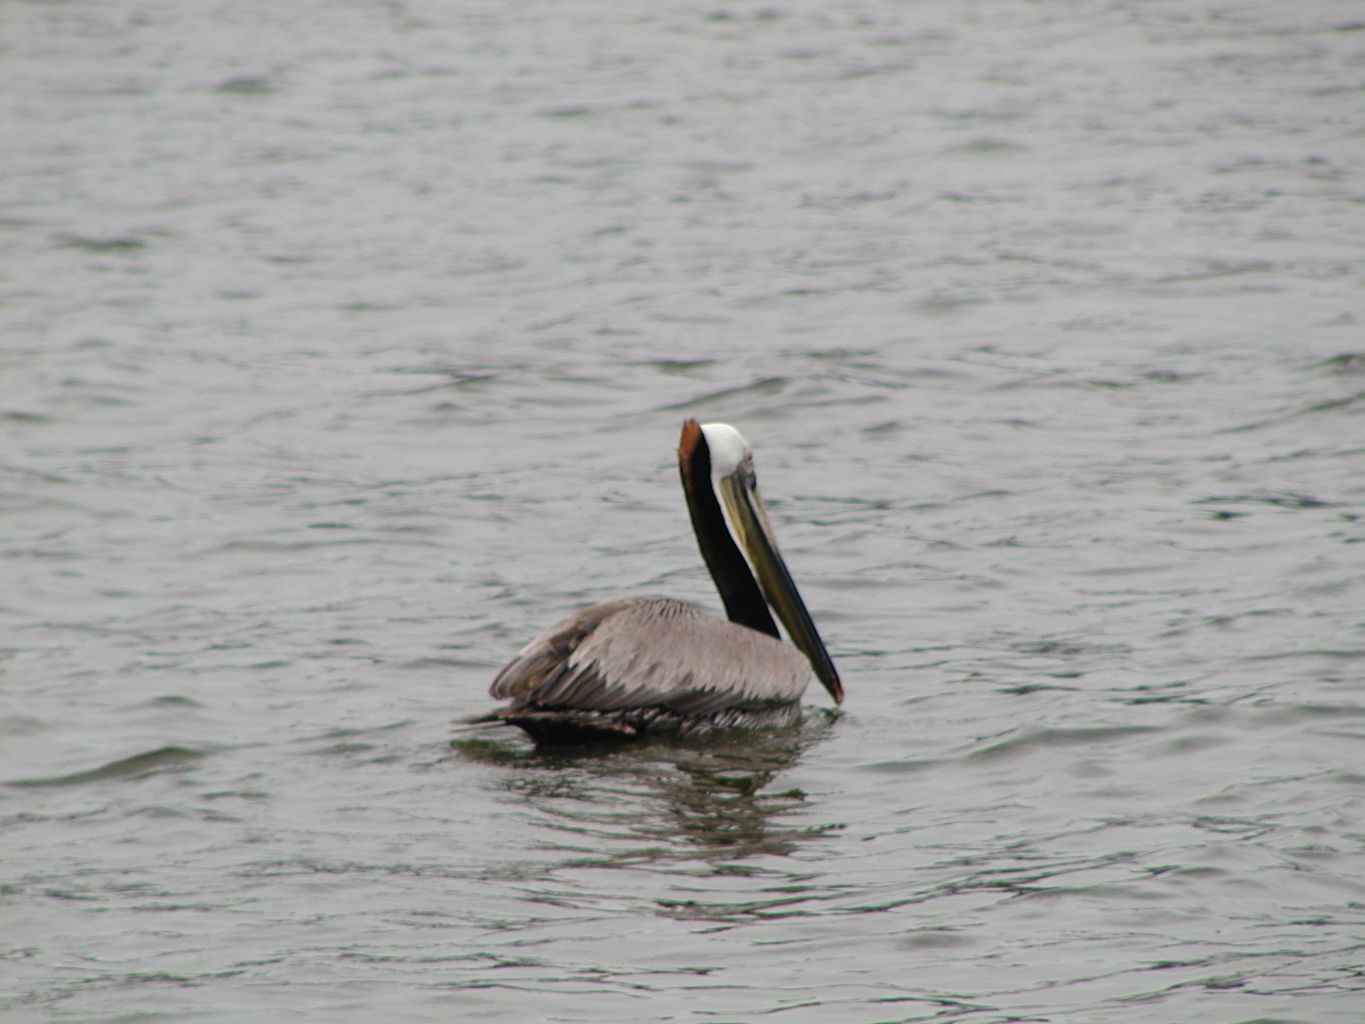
<point x="735" y="480"/>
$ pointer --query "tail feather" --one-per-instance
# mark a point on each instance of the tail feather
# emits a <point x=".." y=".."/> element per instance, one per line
<point x="552" y="726"/>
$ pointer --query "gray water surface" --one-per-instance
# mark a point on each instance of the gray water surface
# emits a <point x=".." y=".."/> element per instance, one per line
<point x="346" y="347"/>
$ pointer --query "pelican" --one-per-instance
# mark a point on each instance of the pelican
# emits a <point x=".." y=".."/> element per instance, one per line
<point x="654" y="666"/>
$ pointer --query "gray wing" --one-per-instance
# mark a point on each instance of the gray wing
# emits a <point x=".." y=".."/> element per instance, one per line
<point x="652" y="652"/>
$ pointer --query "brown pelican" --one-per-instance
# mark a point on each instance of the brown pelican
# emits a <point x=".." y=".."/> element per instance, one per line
<point x="651" y="665"/>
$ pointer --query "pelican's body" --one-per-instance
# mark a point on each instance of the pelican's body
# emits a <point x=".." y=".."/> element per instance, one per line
<point x="648" y="665"/>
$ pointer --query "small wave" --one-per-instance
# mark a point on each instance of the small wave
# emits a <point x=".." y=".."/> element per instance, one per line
<point x="135" y="767"/>
<point x="1034" y="739"/>
<point x="1345" y="363"/>
<point x="1344" y="402"/>
<point x="759" y="386"/>
<point x="1280" y="499"/>
<point x="111" y="243"/>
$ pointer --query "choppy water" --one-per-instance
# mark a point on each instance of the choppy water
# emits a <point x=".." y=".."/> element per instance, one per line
<point x="346" y="347"/>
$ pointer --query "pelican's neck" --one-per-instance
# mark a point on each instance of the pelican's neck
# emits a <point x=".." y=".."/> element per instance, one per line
<point x="734" y="580"/>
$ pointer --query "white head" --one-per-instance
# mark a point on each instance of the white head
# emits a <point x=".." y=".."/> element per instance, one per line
<point x="727" y="446"/>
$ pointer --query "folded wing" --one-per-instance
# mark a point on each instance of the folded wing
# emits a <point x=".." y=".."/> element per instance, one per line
<point x="652" y="653"/>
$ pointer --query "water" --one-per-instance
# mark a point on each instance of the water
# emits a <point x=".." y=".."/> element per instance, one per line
<point x="346" y="349"/>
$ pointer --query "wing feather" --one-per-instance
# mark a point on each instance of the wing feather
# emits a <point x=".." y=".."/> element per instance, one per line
<point x="653" y="652"/>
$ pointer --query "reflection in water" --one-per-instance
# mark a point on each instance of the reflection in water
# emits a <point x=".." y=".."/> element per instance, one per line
<point x="686" y="799"/>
